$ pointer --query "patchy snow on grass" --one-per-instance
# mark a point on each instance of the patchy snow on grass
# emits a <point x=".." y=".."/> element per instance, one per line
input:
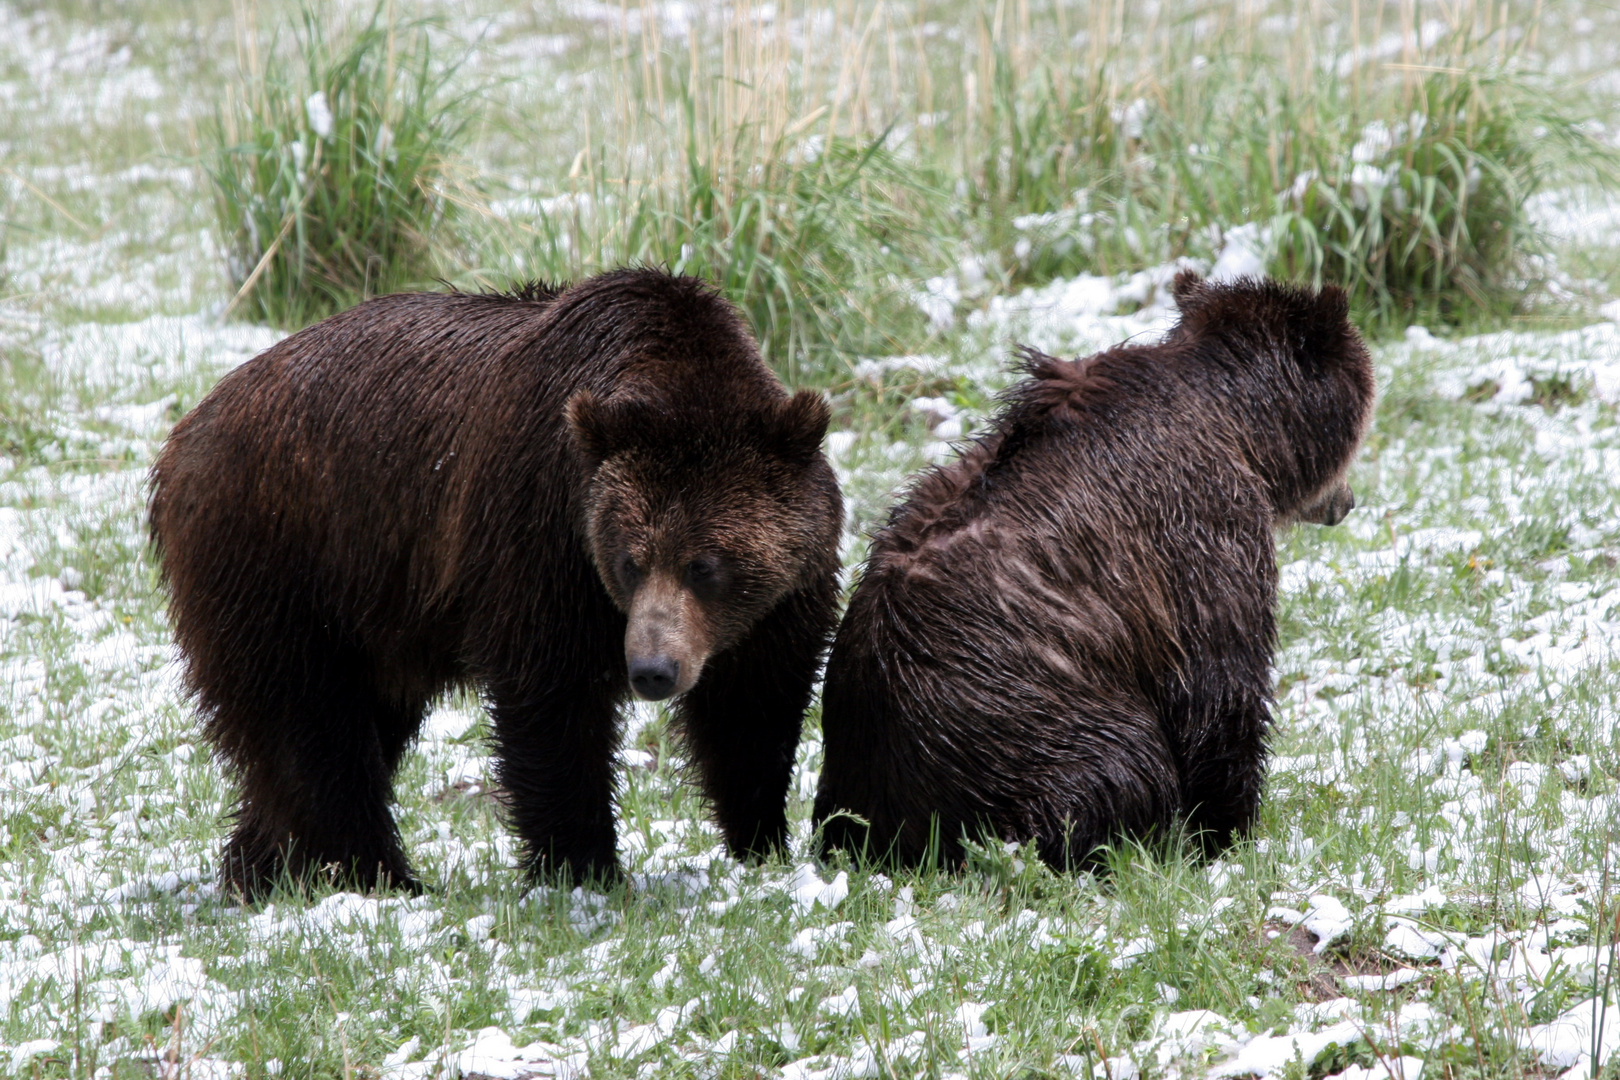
<point x="1498" y="535"/>
<point x="1439" y="820"/>
<point x="157" y="351"/>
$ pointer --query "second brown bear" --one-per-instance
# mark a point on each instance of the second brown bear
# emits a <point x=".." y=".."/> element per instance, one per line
<point x="1065" y="636"/>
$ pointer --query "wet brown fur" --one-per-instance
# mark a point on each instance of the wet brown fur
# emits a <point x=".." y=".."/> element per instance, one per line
<point x="1065" y="635"/>
<point x="431" y="491"/>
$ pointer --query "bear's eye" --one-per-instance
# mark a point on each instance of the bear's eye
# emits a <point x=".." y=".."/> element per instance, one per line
<point x="702" y="574"/>
<point x="629" y="572"/>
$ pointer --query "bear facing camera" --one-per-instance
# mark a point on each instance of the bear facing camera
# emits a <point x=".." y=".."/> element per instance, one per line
<point x="1065" y="635"/>
<point x="555" y="498"/>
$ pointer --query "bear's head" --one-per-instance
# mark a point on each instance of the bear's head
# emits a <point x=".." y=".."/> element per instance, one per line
<point x="1294" y="366"/>
<point x="701" y="520"/>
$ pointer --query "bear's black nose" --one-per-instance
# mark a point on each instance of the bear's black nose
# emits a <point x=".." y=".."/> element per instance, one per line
<point x="653" y="678"/>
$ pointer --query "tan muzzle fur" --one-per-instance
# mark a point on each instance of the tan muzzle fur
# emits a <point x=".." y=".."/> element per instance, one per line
<point x="667" y="641"/>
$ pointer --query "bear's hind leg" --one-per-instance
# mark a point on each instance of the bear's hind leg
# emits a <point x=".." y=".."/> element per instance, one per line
<point x="1120" y="781"/>
<point x="314" y="750"/>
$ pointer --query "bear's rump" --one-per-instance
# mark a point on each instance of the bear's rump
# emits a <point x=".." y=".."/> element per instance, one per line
<point x="1036" y="737"/>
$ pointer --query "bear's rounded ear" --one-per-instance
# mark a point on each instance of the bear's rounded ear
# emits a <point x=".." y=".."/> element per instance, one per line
<point x="589" y="427"/>
<point x="1322" y="328"/>
<point x="1186" y="288"/>
<point x="1332" y="306"/>
<point x="801" y="423"/>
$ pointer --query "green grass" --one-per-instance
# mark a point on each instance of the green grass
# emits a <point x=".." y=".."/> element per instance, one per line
<point x="802" y="247"/>
<point x="729" y="167"/>
<point x="1404" y="180"/>
<point x="330" y="165"/>
<point x="818" y="189"/>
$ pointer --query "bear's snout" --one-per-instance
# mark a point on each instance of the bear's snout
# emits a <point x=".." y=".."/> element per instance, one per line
<point x="666" y="642"/>
<point x="1333" y="507"/>
<point x="653" y="677"/>
<point x="1343" y="501"/>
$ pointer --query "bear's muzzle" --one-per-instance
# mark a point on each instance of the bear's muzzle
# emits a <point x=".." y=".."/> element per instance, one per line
<point x="666" y="642"/>
<point x="1333" y="507"/>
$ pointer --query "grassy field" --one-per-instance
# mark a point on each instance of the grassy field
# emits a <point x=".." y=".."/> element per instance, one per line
<point x="1431" y="885"/>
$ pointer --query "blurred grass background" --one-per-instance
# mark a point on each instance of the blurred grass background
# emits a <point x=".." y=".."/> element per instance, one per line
<point x="819" y="162"/>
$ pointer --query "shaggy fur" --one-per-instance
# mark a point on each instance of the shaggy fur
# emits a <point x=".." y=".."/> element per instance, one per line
<point x="1065" y="635"/>
<point x="531" y="495"/>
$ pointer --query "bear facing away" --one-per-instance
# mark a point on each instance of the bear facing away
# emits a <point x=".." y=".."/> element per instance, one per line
<point x="1065" y="635"/>
<point x="555" y="498"/>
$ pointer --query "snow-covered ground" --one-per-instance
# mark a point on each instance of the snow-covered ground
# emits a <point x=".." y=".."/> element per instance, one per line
<point x="1441" y="805"/>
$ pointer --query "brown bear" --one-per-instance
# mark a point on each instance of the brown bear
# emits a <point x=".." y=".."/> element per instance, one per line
<point x="557" y="498"/>
<point x="1065" y="635"/>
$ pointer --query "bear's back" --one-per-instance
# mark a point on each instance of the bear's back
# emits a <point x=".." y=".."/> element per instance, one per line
<point x="1097" y="479"/>
<point x="393" y="453"/>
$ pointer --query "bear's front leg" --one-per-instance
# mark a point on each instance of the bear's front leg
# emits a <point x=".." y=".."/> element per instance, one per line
<point x="742" y="720"/>
<point x="555" y="747"/>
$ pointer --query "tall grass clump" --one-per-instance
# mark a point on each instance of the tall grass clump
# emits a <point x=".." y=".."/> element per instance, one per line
<point x="1395" y="156"/>
<point x="330" y="164"/>
<point x="797" y="244"/>
<point x="754" y="166"/>
<point x="826" y="167"/>
<point x="1427" y="216"/>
